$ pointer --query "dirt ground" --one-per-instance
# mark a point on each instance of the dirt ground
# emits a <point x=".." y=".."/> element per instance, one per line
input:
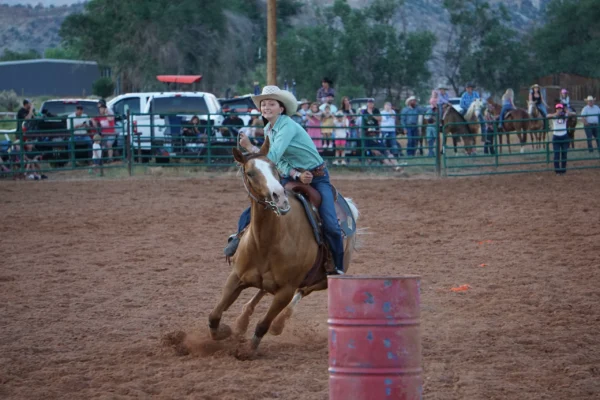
<point x="95" y="273"/>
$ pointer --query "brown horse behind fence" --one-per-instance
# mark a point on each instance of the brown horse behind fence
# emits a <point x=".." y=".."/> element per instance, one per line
<point x="455" y="125"/>
<point x="515" y="121"/>
<point x="538" y="124"/>
<point x="275" y="254"/>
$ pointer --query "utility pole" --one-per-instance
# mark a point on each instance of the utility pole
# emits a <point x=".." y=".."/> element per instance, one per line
<point x="271" y="42"/>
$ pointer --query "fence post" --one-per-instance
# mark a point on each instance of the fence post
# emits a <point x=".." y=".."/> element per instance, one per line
<point x="21" y="154"/>
<point x="210" y="135"/>
<point x="495" y="144"/>
<point x="127" y="133"/>
<point x="438" y="146"/>
<point x="71" y="124"/>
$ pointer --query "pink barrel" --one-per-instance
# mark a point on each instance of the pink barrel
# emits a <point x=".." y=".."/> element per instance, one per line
<point x="374" y="338"/>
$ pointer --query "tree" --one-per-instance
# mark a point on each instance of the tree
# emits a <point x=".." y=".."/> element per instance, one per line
<point x="10" y="55"/>
<point x="482" y="47"/>
<point x="103" y="87"/>
<point x="9" y="101"/>
<point x="61" y="53"/>
<point x="569" y="41"/>
<point x="360" y="49"/>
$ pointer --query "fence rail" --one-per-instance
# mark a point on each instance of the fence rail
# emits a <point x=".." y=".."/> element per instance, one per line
<point x="150" y="140"/>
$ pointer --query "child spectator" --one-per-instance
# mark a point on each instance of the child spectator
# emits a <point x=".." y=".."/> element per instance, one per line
<point x="96" y="153"/>
<point x="32" y="163"/>
<point x="106" y="123"/>
<point x="327" y="127"/>
<point x="340" y="133"/>
<point x="388" y="128"/>
<point x="313" y="125"/>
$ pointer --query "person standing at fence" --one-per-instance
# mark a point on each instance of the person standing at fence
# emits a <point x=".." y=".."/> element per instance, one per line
<point x="325" y="90"/>
<point x="350" y="114"/>
<point x="106" y="124"/>
<point x="560" y="139"/>
<point x="340" y="133"/>
<point x="26" y="112"/>
<point x="431" y="132"/>
<point x="590" y="114"/>
<point x="388" y="128"/>
<point x="78" y="123"/>
<point x="313" y="125"/>
<point x="96" y="154"/>
<point x="409" y="119"/>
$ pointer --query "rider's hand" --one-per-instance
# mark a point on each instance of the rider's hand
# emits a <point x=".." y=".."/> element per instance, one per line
<point x="245" y="142"/>
<point x="306" y="177"/>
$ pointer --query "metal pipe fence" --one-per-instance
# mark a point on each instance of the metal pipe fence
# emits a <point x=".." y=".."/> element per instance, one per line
<point x="150" y="140"/>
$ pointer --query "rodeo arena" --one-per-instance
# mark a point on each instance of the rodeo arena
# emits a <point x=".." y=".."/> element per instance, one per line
<point x="177" y="245"/>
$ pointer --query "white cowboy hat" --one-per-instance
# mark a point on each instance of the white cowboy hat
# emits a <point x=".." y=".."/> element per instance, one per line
<point x="410" y="99"/>
<point x="440" y="87"/>
<point x="590" y="98"/>
<point x="254" y="112"/>
<point x="274" y="93"/>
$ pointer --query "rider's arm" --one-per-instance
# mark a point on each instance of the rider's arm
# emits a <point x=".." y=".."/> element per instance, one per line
<point x="281" y="142"/>
<point x="463" y="102"/>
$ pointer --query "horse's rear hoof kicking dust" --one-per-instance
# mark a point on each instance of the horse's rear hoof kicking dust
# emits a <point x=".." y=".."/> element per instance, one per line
<point x="278" y="253"/>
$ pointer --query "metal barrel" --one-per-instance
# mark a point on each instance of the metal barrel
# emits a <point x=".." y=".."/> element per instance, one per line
<point x="374" y="338"/>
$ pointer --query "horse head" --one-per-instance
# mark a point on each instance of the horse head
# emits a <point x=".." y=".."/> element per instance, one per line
<point x="262" y="181"/>
<point x="532" y="108"/>
<point x="474" y="109"/>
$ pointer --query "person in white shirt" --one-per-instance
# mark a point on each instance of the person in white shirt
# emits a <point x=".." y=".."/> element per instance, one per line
<point x="328" y="102"/>
<point x="96" y="152"/>
<point x="78" y="123"/>
<point x="340" y="133"/>
<point x="591" y="114"/>
<point x="388" y="128"/>
<point x="560" y="139"/>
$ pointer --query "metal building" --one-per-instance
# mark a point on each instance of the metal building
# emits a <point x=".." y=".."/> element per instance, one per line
<point x="50" y="77"/>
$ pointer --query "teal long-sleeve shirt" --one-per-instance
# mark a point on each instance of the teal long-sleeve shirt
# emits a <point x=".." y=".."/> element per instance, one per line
<point x="291" y="147"/>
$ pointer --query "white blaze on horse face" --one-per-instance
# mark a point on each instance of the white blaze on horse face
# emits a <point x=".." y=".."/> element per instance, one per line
<point x="273" y="185"/>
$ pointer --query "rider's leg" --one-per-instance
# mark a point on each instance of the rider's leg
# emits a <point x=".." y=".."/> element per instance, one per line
<point x="333" y="232"/>
<point x="234" y="240"/>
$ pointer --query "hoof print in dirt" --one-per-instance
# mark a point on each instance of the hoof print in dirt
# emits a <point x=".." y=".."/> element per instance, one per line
<point x="175" y="340"/>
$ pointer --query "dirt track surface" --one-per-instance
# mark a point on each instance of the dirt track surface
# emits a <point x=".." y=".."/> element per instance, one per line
<point x="95" y="274"/>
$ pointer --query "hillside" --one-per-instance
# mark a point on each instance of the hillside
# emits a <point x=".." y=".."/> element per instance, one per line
<point x="24" y="27"/>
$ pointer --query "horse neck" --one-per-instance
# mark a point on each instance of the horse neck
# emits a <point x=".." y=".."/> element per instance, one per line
<point x="264" y="224"/>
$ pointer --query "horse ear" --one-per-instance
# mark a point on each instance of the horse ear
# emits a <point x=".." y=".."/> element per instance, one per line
<point x="264" y="150"/>
<point x="238" y="156"/>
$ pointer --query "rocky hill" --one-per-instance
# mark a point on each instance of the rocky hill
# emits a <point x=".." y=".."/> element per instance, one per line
<point x="24" y="27"/>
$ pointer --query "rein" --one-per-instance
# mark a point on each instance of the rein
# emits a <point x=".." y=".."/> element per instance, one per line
<point x="269" y="204"/>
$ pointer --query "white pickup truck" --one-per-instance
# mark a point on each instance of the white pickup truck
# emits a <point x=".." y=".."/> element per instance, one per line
<point x="151" y="127"/>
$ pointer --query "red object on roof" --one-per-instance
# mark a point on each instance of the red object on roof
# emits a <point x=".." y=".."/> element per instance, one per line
<point x="179" y="78"/>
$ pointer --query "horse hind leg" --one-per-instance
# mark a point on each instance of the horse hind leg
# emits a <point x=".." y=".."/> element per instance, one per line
<point x="242" y="322"/>
<point x="231" y="291"/>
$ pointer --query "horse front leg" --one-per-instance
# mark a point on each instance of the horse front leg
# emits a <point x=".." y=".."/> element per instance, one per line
<point x="281" y="299"/>
<point x="242" y="322"/>
<point x="231" y="291"/>
<point x="279" y="322"/>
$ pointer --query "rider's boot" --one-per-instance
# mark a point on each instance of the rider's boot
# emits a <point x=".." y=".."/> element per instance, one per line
<point x="232" y="245"/>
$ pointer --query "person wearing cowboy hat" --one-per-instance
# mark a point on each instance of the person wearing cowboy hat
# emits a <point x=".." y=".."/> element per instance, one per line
<point x="325" y="90"/>
<point x="590" y="114"/>
<point x="467" y="98"/>
<point x="443" y="96"/>
<point x="536" y="96"/>
<point x="409" y="120"/>
<point x="294" y="153"/>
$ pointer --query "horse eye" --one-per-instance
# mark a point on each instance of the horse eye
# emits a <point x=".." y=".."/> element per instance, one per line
<point x="251" y="174"/>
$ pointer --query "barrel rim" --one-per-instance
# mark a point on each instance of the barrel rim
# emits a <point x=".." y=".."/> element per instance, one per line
<point x="374" y="277"/>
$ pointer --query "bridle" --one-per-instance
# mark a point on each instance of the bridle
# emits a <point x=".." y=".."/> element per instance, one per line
<point x="269" y="204"/>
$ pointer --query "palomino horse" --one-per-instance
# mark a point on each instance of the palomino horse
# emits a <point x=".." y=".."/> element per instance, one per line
<point x="537" y="125"/>
<point x="454" y="124"/>
<point x="275" y="254"/>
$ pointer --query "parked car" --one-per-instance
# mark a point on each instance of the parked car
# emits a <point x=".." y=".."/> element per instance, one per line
<point x="240" y="104"/>
<point x="153" y="135"/>
<point x="360" y="103"/>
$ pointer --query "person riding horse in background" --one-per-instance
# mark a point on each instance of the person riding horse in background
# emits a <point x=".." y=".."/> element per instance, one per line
<point x="467" y="98"/>
<point x="536" y="96"/>
<point x="508" y="103"/>
<point x="565" y="100"/>
<point x="296" y="157"/>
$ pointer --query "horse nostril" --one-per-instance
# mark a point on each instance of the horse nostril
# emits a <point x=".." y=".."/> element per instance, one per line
<point x="275" y="197"/>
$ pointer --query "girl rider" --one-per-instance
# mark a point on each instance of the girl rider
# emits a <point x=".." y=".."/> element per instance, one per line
<point x="296" y="157"/>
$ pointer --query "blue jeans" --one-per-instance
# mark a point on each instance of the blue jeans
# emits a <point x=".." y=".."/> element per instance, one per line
<point x="412" y="135"/>
<point x="505" y="108"/>
<point x="331" y="226"/>
<point x="389" y="138"/>
<point x="591" y="131"/>
<point x="431" y="136"/>
<point x="543" y="110"/>
<point x="560" y="145"/>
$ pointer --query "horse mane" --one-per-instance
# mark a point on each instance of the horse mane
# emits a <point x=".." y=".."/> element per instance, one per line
<point x="471" y="111"/>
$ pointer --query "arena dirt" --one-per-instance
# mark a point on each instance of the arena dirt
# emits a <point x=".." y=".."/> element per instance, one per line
<point x="106" y="285"/>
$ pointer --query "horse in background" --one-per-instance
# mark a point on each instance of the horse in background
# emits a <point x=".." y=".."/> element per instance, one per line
<point x="515" y="121"/>
<point x="276" y="254"/>
<point x="455" y="126"/>
<point x="537" y="124"/>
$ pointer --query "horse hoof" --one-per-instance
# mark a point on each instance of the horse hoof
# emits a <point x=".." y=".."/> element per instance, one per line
<point x="222" y="333"/>
<point x="255" y="342"/>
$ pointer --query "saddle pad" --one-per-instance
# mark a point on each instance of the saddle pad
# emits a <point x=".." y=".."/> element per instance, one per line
<point x="344" y="215"/>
